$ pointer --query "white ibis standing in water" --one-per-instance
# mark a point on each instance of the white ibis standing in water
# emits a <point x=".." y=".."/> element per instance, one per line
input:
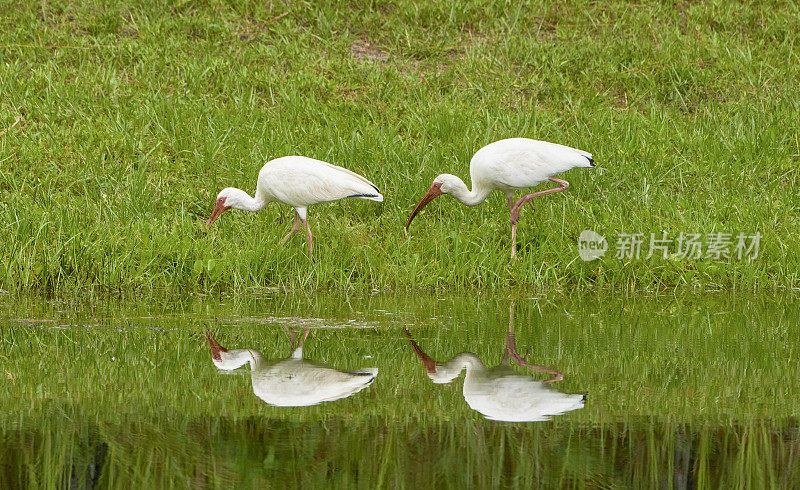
<point x="292" y="382"/>
<point x="499" y="393"/>
<point x="299" y="182"/>
<point x="508" y="165"/>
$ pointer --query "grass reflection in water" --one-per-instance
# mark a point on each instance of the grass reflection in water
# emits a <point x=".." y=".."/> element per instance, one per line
<point x="694" y="390"/>
<point x="218" y="452"/>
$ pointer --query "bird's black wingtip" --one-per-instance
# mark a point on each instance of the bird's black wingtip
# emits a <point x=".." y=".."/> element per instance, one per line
<point x="365" y="195"/>
<point x="591" y="161"/>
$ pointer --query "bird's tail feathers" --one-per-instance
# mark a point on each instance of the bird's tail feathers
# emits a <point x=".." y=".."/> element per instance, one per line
<point x="369" y="197"/>
<point x="365" y="372"/>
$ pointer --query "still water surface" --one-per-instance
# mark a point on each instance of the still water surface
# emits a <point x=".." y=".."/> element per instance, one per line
<point x="691" y="391"/>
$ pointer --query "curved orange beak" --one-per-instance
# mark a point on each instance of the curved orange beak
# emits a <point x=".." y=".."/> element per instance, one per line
<point x="218" y="209"/>
<point x="432" y="194"/>
<point x="427" y="361"/>
<point x="215" y="347"/>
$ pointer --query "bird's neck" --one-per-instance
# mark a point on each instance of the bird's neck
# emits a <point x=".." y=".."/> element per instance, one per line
<point x="244" y="202"/>
<point x="236" y="358"/>
<point x="469" y="197"/>
<point x="255" y="359"/>
<point x="465" y="360"/>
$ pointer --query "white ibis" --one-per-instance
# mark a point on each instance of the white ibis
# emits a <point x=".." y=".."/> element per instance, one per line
<point x="499" y="393"/>
<point x="508" y="165"/>
<point x="299" y="182"/>
<point x="292" y="382"/>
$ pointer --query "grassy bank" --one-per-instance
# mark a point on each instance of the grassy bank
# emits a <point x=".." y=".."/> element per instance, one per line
<point x="135" y="116"/>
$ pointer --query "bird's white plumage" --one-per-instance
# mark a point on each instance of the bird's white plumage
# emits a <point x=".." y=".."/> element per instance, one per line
<point x="296" y="382"/>
<point x="521" y="162"/>
<point x="299" y="383"/>
<point x="508" y="165"/>
<point x="301" y="181"/>
<point x="501" y="394"/>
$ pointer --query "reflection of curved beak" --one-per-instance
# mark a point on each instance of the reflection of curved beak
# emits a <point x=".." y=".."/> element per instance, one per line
<point x="218" y="209"/>
<point x="215" y="347"/>
<point x="432" y="194"/>
<point x="427" y="361"/>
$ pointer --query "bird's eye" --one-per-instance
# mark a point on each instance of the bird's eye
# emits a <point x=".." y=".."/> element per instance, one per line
<point x="217" y="357"/>
<point x="220" y="199"/>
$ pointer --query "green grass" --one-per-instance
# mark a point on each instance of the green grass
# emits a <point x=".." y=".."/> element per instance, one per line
<point x="136" y="115"/>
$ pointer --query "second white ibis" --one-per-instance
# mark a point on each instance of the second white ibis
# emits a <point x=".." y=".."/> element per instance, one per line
<point x="509" y="165"/>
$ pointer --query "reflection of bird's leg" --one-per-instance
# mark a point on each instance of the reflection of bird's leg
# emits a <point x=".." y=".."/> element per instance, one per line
<point x="293" y="338"/>
<point x="510" y="322"/>
<point x="295" y="229"/>
<point x="515" y="209"/>
<point x="511" y="350"/>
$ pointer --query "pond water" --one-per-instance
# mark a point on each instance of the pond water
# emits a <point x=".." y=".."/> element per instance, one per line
<point x="400" y="391"/>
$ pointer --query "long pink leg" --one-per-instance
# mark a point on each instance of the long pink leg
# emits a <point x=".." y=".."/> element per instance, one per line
<point x="514" y="220"/>
<point x="295" y="229"/>
<point x="563" y="185"/>
<point x="514" y="225"/>
<point x="515" y="209"/>
<point x="310" y="237"/>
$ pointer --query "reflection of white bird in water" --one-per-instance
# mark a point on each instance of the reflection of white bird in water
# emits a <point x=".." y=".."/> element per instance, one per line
<point x="292" y="382"/>
<point x="499" y="393"/>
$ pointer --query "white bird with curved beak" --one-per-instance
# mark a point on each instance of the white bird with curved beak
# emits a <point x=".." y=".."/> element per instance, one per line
<point x="509" y="165"/>
<point x="499" y="393"/>
<point x="299" y="182"/>
<point x="292" y="382"/>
